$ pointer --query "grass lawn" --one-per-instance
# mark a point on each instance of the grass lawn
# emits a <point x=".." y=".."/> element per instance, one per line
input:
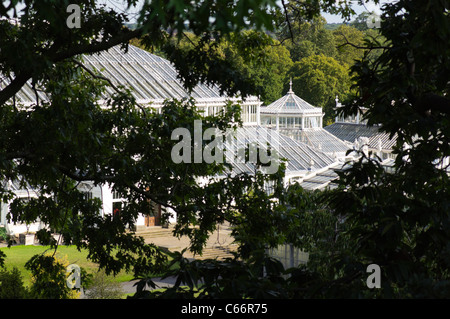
<point x="18" y="255"/>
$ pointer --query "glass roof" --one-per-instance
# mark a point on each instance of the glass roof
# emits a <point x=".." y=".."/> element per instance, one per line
<point x="300" y="156"/>
<point x="150" y="78"/>
<point x="320" y="180"/>
<point x="290" y="104"/>
<point x="323" y="140"/>
<point x="350" y="132"/>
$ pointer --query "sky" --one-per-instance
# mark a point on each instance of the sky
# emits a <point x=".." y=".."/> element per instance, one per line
<point x="369" y="6"/>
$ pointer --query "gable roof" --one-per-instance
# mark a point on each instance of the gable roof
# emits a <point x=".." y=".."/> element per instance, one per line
<point x="350" y="132"/>
<point x="322" y="140"/>
<point x="300" y="156"/>
<point x="320" y="180"/>
<point x="152" y="79"/>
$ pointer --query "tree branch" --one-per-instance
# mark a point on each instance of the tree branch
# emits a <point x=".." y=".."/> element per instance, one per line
<point x="111" y="178"/>
<point x="22" y="78"/>
<point x="13" y="87"/>
<point x="97" y="47"/>
<point x="100" y="77"/>
<point x="357" y="46"/>
<point x="287" y="19"/>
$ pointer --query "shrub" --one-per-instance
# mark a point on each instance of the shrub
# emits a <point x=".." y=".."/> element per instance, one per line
<point x="103" y="287"/>
<point x="3" y="235"/>
<point x="11" y="285"/>
<point x="49" y="278"/>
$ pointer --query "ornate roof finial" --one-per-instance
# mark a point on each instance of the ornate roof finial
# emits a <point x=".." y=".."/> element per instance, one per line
<point x="290" y="86"/>
<point x="338" y="104"/>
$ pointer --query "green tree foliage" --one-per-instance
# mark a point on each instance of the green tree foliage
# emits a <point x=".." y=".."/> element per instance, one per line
<point x="118" y="142"/>
<point x="374" y="44"/>
<point x="349" y="43"/>
<point x="271" y="73"/>
<point x="256" y="56"/>
<point x="2" y="259"/>
<point x="313" y="226"/>
<point x="400" y="220"/>
<point x="308" y="38"/>
<point x="42" y="38"/>
<point x="11" y="284"/>
<point x="3" y="234"/>
<point x="298" y="217"/>
<point x="360" y="22"/>
<point x="318" y="80"/>
<point x="49" y="278"/>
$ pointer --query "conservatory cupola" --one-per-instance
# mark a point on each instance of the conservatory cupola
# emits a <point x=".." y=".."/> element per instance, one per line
<point x="291" y="112"/>
<point x="294" y="117"/>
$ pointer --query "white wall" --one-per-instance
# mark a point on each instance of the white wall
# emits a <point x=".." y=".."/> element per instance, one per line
<point x="107" y="199"/>
<point x="107" y="207"/>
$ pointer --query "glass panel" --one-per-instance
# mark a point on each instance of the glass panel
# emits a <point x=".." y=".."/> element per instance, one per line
<point x="290" y="103"/>
<point x="290" y="122"/>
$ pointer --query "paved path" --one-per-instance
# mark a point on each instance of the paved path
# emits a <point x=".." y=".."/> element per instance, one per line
<point x="162" y="237"/>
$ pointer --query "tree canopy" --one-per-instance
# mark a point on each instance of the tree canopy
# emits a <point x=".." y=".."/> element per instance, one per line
<point x="309" y="37"/>
<point x="319" y="79"/>
<point x="399" y="220"/>
<point x="118" y="142"/>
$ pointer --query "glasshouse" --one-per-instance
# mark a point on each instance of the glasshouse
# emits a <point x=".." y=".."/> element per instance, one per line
<point x="153" y="79"/>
